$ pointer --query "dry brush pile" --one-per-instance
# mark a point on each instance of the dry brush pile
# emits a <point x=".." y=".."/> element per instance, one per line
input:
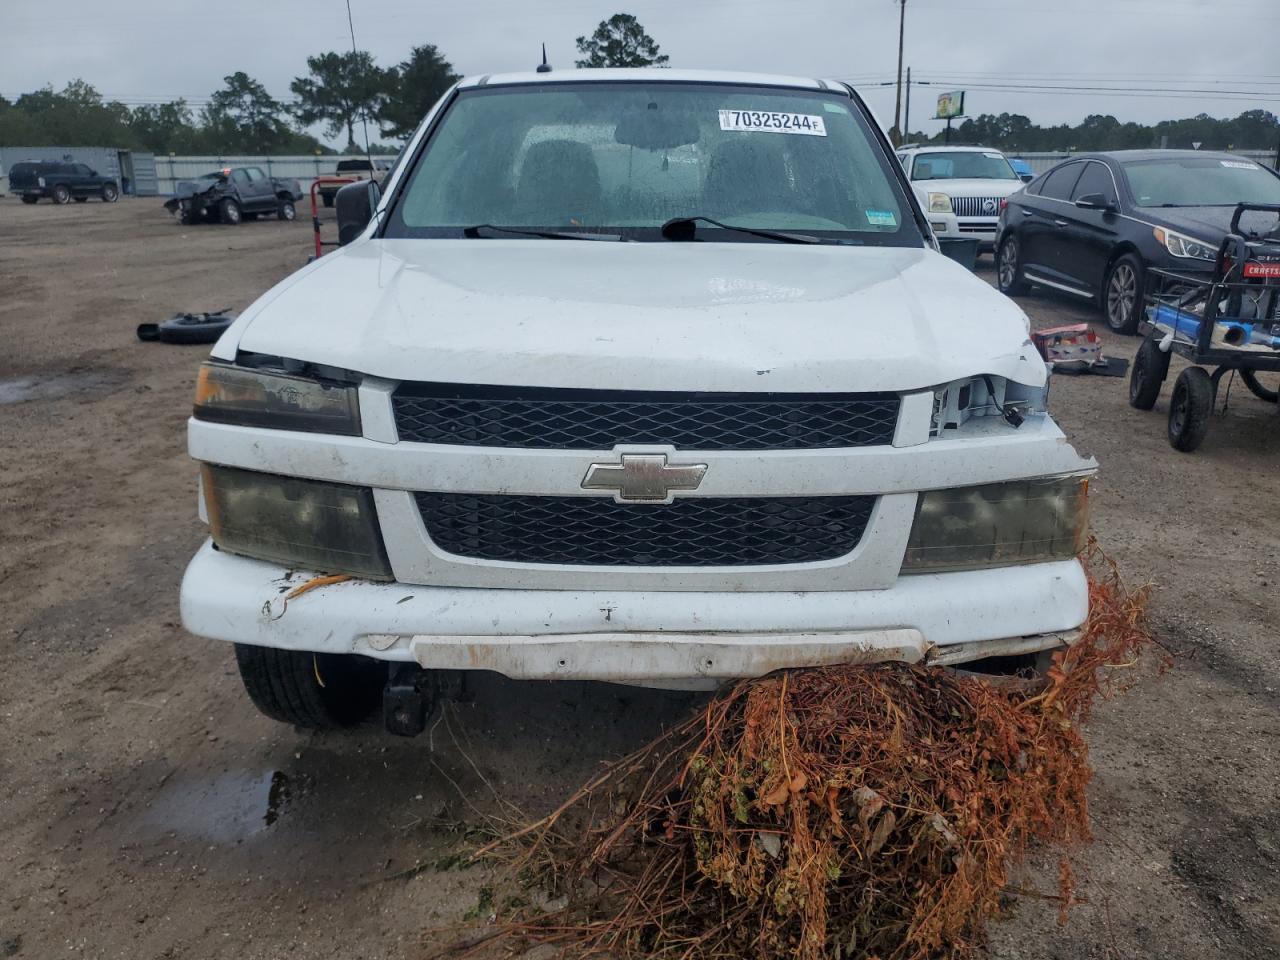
<point x="834" y="812"/>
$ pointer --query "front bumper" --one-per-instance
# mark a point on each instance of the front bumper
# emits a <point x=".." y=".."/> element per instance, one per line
<point x="655" y="638"/>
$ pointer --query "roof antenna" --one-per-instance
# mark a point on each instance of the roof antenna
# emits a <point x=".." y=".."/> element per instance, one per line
<point x="544" y="67"/>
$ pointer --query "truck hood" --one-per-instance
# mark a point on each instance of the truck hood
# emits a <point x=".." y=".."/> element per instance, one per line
<point x="642" y="316"/>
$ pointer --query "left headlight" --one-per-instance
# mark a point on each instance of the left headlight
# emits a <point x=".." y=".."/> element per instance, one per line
<point x="999" y="524"/>
<point x="1184" y="247"/>
<point x="331" y="527"/>
<point x="939" y="203"/>
<point x="259" y="398"/>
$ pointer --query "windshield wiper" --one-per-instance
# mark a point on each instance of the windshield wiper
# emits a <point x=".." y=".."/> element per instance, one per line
<point x="474" y="233"/>
<point x="686" y="228"/>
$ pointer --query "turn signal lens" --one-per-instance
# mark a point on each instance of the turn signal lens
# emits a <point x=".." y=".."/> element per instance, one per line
<point x="257" y="398"/>
<point x="999" y="524"/>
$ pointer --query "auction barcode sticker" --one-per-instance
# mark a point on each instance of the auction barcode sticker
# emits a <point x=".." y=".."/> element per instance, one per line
<point x="769" y="121"/>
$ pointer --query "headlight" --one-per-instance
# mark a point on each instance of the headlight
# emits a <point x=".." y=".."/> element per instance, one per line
<point x="256" y="398"/>
<point x="999" y="524"/>
<point x="939" y="203"/>
<point x="1183" y="246"/>
<point x="331" y="527"/>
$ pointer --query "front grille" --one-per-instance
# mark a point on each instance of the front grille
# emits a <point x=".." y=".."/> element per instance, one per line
<point x="973" y="206"/>
<point x="695" y="531"/>
<point x="571" y="419"/>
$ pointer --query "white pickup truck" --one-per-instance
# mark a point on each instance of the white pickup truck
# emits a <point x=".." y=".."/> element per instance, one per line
<point x="644" y="376"/>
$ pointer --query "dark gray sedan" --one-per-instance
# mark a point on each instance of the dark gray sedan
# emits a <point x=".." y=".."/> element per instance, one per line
<point x="1093" y="225"/>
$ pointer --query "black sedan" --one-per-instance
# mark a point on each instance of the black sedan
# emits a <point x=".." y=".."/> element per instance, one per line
<point x="1094" y="224"/>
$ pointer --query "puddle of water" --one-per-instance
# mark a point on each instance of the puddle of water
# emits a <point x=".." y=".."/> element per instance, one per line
<point x="51" y="385"/>
<point x="231" y="807"/>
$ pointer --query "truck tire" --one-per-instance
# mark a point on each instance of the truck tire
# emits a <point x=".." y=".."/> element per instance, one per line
<point x="229" y="211"/>
<point x="1190" y="409"/>
<point x="286" y="210"/>
<point x="316" y="691"/>
<point x="109" y="193"/>
<point x="1258" y="388"/>
<point x="61" y="193"/>
<point x="1009" y="268"/>
<point x="327" y="198"/>
<point x="1150" y="367"/>
<point x="1123" y="294"/>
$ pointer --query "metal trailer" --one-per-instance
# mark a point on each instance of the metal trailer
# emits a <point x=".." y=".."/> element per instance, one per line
<point x="1230" y="322"/>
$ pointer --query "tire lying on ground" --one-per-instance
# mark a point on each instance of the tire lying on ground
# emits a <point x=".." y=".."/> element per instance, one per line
<point x="187" y="328"/>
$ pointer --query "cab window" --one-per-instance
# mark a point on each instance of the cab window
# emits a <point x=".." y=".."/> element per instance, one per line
<point x="1060" y="182"/>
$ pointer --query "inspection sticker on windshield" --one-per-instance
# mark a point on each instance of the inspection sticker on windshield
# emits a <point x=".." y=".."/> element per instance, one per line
<point x="768" y="121"/>
<point x="882" y="218"/>
<point x="1239" y="164"/>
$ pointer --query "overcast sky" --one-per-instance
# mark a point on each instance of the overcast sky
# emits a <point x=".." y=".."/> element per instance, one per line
<point x="1145" y="57"/>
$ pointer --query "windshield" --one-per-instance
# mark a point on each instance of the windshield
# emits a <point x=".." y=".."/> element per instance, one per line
<point x="960" y="165"/>
<point x="1193" y="181"/>
<point x="624" y="158"/>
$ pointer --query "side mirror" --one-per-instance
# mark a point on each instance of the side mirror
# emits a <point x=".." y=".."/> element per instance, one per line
<point x="355" y="204"/>
<point x="1095" y="201"/>
<point x="1027" y="177"/>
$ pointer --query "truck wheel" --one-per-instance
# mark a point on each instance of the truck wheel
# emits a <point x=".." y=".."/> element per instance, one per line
<point x="1258" y="388"/>
<point x="318" y="691"/>
<point x="327" y="198"/>
<point x="1009" y="269"/>
<point x="1122" y="294"/>
<point x="109" y="193"/>
<point x="1190" y="409"/>
<point x="229" y="211"/>
<point x="1150" y="367"/>
<point x="26" y="199"/>
<point x="61" y="194"/>
<point x="286" y="210"/>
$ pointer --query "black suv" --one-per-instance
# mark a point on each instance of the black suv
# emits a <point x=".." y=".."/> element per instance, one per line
<point x="60" y="182"/>
<point x="1094" y="224"/>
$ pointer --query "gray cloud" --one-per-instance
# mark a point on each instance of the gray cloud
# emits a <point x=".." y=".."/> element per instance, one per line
<point x="1137" y="52"/>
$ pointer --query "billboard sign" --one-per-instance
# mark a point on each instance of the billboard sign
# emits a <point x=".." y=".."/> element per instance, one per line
<point x="950" y="105"/>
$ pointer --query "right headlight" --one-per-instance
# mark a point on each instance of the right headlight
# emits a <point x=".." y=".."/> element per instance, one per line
<point x="266" y="398"/>
<point x="999" y="524"/>
<point x="331" y="527"/>
<point x="1184" y="247"/>
<point x="939" y="203"/>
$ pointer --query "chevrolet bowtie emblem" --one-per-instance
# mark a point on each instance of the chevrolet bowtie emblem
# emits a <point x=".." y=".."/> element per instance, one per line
<point x="644" y="478"/>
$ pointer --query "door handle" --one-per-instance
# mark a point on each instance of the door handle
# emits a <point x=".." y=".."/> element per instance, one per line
<point x="1060" y="223"/>
<point x="1027" y="211"/>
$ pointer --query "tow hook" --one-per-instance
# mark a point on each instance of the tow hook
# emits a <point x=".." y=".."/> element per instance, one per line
<point x="409" y="697"/>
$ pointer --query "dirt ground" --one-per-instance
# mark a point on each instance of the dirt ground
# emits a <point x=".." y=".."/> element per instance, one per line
<point x="146" y="809"/>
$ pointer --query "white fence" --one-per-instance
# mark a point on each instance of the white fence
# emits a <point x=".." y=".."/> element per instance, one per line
<point x="304" y="168"/>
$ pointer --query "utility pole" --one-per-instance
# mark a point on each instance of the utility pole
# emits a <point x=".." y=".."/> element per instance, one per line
<point x="897" y="106"/>
<point x="906" y="112"/>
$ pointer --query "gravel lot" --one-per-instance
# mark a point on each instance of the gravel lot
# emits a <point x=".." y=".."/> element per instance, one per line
<point x="146" y="809"/>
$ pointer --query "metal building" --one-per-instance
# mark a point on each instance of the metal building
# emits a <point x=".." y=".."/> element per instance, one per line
<point x="134" y="172"/>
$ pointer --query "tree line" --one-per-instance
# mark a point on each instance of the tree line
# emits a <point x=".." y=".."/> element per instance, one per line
<point x="1013" y="132"/>
<point x="349" y="92"/>
<point x="340" y="91"/>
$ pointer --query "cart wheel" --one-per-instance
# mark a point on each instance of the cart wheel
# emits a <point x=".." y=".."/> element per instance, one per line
<point x="1258" y="388"/>
<point x="1190" y="409"/>
<point x="1150" y="367"/>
